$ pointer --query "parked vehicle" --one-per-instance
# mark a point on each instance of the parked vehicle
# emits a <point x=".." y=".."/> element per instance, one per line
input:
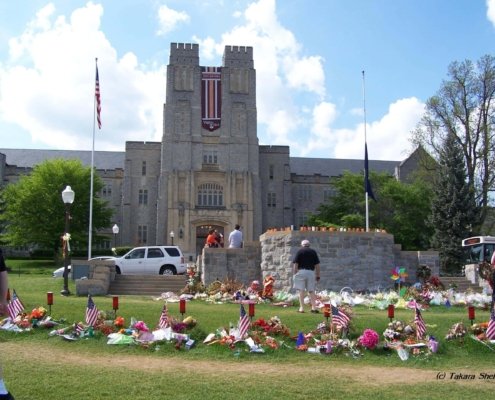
<point x="59" y="272"/>
<point x="152" y="260"/>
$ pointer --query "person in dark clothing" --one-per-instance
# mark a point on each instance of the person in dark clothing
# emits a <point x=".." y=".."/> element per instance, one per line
<point x="306" y="274"/>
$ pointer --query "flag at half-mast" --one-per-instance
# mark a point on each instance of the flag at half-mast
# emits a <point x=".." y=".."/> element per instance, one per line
<point x="367" y="183"/>
<point x="98" y="98"/>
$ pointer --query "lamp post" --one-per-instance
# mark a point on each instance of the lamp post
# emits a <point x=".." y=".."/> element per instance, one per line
<point x="115" y="230"/>
<point x="172" y="235"/>
<point x="68" y="199"/>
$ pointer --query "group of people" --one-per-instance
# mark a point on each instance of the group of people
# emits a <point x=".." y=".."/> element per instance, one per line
<point x="215" y="238"/>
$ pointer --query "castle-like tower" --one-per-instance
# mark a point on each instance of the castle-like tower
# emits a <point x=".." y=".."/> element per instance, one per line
<point x="209" y="169"/>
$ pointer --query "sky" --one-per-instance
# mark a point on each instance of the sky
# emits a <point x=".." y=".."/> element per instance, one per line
<point x="309" y="56"/>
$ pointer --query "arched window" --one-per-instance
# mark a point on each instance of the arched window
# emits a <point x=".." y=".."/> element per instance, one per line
<point x="210" y="195"/>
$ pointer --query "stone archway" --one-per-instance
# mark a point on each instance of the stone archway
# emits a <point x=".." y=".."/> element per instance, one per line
<point x="202" y="233"/>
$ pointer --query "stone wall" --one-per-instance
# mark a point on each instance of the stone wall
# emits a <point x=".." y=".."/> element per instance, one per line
<point x="242" y="265"/>
<point x="101" y="273"/>
<point x="359" y="260"/>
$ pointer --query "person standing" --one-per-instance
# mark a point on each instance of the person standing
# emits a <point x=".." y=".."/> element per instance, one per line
<point x="306" y="274"/>
<point x="211" y="239"/>
<point x="4" y="393"/>
<point x="235" y="238"/>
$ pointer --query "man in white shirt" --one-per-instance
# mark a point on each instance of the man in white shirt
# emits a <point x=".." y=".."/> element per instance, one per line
<point x="235" y="238"/>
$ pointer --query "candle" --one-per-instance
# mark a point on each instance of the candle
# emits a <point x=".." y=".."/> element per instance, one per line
<point x="391" y="311"/>
<point x="471" y="312"/>
<point x="115" y="302"/>
<point x="326" y="311"/>
<point x="182" y="306"/>
<point x="49" y="298"/>
<point x="251" y="310"/>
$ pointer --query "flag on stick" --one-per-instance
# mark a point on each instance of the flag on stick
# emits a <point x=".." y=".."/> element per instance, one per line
<point x="243" y="325"/>
<point x="164" y="320"/>
<point x="490" y="331"/>
<point x="420" y="324"/>
<point x="91" y="312"/>
<point x="367" y="183"/>
<point x="339" y="317"/>
<point x="15" y="306"/>
<point x="98" y="99"/>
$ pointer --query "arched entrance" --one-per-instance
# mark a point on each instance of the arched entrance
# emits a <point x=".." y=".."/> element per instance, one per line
<point x="202" y="233"/>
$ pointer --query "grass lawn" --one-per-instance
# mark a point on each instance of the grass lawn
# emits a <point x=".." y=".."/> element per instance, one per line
<point x="37" y="366"/>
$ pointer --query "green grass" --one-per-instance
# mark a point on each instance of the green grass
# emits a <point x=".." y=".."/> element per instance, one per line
<point x="37" y="366"/>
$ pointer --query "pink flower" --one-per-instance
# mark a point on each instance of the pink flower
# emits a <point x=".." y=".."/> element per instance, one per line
<point x="369" y="339"/>
<point x="141" y="326"/>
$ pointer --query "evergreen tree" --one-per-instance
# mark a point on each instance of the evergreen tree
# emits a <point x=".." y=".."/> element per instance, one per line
<point x="453" y="207"/>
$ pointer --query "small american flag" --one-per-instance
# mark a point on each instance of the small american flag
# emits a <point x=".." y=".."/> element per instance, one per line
<point x="244" y="323"/>
<point x="98" y="99"/>
<point x="339" y="317"/>
<point x="15" y="306"/>
<point x="164" y="320"/>
<point x="78" y="328"/>
<point x="490" y="331"/>
<point x="420" y="324"/>
<point x="91" y="312"/>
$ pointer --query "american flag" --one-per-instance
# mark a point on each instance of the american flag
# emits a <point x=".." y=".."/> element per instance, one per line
<point x="15" y="306"/>
<point x="339" y="317"/>
<point x="244" y="323"/>
<point x="164" y="320"/>
<point x="78" y="328"/>
<point x="420" y="324"/>
<point x="98" y="99"/>
<point x="91" y="312"/>
<point x="490" y="331"/>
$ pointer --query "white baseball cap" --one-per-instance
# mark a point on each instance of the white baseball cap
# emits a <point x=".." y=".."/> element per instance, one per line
<point x="305" y="243"/>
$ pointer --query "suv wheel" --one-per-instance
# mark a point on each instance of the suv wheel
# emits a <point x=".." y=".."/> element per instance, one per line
<point x="167" y="270"/>
<point x="117" y="270"/>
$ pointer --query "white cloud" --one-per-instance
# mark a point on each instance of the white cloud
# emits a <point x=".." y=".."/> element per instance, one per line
<point x="490" y="12"/>
<point x="51" y="95"/>
<point x="169" y="19"/>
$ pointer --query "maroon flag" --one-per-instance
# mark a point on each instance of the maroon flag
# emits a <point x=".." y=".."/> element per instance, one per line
<point x="97" y="98"/>
<point x="91" y="312"/>
<point x="164" y="319"/>
<point x="490" y="331"/>
<point x="211" y="97"/>
<point x="15" y="306"/>
<point x="243" y="325"/>
<point x="420" y="324"/>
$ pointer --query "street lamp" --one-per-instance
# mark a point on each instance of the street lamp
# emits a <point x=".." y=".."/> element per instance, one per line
<point x="115" y="230"/>
<point x="172" y="235"/>
<point x="68" y="198"/>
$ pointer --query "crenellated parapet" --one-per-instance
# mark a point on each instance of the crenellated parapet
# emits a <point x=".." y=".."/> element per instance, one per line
<point x="184" y="54"/>
<point x="238" y="56"/>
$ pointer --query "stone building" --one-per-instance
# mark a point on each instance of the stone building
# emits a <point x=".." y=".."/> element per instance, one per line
<point x="209" y="170"/>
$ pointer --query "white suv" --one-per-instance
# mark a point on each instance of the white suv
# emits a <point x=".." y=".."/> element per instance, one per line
<point x="152" y="260"/>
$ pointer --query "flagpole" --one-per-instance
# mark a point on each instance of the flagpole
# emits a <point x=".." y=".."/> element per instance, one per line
<point x="90" y="228"/>
<point x="365" y="144"/>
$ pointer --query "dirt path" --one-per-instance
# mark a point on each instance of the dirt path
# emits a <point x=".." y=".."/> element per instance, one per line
<point x="360" y="374"/>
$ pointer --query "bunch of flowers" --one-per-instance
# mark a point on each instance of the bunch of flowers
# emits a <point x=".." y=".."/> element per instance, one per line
<point x="141" y="326"/>
<point x="38" y="313"/>
<point x="479" y="330"/>
<point x="457" y="331"/>
<point x="119" y="322"/>
<point x="369" y="339"/>
<point x="395" y="331"/>
<point x="273" y="326"/>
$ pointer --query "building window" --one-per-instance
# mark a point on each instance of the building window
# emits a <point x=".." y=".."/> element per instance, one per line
<point x="271" y="170"/>
<point x="106" y="190"/>
<point x="142" y="234"/>
<point x="327" y="194"/>
<point x="305" y="193"/>
<point x="302" y="218"/>
<point x="272" y="199"/>
<point x="210" y="195"/>
<point x="143" y="197"/>
<point x="143" y="169"/>
<point x="210" y="157"/>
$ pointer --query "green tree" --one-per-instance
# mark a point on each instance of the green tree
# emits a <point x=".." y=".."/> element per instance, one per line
<point x="464" y="107"/>
<point x="453" y="207"/>
<point x="34" y="213"/>
<point x="401" y="208"/>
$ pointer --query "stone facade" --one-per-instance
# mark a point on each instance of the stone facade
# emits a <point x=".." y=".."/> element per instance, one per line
<point x="204" y="176"/>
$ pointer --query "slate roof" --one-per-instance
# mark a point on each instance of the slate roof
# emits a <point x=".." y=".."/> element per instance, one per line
<point x="336" y="167"/>
<point x="28" y="158"/>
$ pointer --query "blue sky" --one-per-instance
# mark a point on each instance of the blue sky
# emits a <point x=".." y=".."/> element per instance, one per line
<point x="308" y="55"/>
